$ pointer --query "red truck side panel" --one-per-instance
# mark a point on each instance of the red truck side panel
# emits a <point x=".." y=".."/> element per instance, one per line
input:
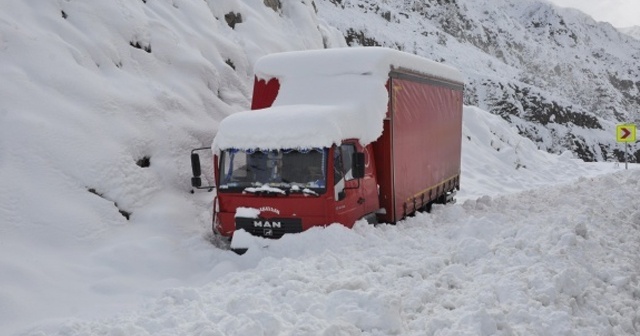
<point x="384" y="171"/>
<point x="420" y="149"/>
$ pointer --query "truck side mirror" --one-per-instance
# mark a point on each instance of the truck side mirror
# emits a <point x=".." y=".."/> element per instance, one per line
<point x="195" y="164"/>
<point x="357" y="165"/>
<point x="196" y="182"/>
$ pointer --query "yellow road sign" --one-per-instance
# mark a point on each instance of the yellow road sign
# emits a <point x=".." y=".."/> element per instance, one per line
<point x="626" y="133"/>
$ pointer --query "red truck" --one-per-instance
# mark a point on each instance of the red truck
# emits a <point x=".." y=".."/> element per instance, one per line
<point x="335" y="136"/>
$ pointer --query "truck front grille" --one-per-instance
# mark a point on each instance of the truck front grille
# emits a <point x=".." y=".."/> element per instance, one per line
<point x="269" y="228"/>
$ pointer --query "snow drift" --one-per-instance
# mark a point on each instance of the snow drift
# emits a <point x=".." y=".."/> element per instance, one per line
<point x="100" y="103"/>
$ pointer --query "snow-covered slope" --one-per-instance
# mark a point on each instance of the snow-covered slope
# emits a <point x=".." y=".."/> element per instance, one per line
<point x="100" y="102"/>
<point x="555" y="261"/>
<point x="559" y="76"/>
<point x="633" y="31"/>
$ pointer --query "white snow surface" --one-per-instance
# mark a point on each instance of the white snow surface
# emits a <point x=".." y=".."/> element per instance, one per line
<point x="374" y="61"/>
<point x="633" y="31"/>
<point x="307" y="126"/>
<point x="247" y="212"/>
<point x="325" y="96"/>
<point x="538" y="244"/>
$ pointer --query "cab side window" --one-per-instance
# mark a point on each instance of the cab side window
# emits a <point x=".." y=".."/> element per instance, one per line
<point x="347" y="154"/>
<point x="338" y="166"/>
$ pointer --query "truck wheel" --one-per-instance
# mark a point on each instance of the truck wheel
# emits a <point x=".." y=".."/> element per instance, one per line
<point x="371" y="218"/>
<point x="427" y="207"/>
<point x="442" y="199"/>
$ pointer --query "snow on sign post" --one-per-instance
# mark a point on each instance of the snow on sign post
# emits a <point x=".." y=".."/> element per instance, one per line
<point x="626" y="133"/>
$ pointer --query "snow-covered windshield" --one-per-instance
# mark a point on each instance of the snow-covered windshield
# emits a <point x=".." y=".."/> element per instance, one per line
<point x="290" y="170"/>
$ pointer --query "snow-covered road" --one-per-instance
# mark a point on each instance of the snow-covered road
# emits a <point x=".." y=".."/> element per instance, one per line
<point x="100" y="103"/>
<point x="559" y="260"/>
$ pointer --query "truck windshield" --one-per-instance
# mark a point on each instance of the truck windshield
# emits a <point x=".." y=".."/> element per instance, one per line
<point x="287" y="170"/>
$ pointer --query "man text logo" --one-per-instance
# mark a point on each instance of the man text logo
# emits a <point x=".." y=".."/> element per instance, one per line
<point x="267" y="224"/>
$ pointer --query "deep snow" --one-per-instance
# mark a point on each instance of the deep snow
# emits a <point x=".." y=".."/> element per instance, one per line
<point x="556" y="258"/>
<point x="100" y="103"/>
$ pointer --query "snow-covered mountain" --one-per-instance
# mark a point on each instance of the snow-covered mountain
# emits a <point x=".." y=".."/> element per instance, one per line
<point x="559" y="76"/>
<point x="101" y="101"/>
<point x="633" y="31"/>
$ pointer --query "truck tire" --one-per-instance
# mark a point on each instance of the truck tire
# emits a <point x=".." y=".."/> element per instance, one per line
<point x="371" y="218"/>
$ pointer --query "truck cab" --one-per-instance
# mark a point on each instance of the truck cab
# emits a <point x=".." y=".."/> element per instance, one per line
<point x="294" y="189"/>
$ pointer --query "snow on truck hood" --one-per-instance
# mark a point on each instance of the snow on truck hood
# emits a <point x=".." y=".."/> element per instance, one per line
<point x="325" y="96"/>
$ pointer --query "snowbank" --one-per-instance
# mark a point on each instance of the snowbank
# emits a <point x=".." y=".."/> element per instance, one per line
<point x="91" y="125"/>
<point x="555" y="261"/>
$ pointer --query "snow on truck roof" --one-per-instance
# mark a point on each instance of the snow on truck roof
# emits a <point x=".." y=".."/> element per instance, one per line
<point x="360" y="60"/>
<point x="325" y="96"/>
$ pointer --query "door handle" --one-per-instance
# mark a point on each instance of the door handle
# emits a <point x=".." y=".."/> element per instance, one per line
<point x="360" y="200"/>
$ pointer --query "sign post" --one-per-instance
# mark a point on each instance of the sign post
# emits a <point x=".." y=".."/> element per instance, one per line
<point x="626" y="133"/>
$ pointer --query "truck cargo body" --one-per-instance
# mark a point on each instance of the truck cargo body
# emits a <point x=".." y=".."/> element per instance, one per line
<point x="290" y="164"/>
<point x="418" y="154"/>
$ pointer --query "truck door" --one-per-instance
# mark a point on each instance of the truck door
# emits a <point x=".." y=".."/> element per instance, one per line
<point x="350" y="203"/>
<point x="369" y="184"/>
